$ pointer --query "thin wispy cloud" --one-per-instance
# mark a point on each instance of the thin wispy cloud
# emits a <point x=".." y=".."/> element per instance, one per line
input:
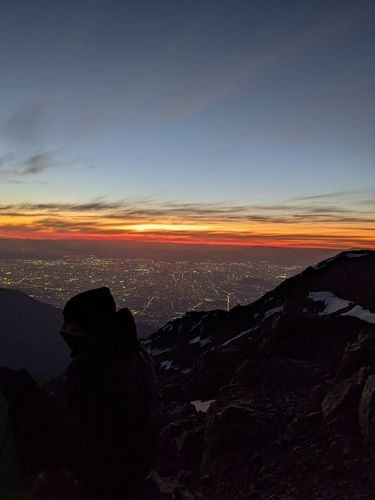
<point x="360" y="194"/>
<point x="32" y="165"/>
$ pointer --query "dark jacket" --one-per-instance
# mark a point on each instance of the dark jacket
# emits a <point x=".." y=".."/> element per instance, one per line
<point x="113" y="407"/>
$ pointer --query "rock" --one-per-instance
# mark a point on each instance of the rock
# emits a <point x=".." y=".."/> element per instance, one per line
<point x="172" y="392"/>
<point x="233" y="434"/>
<point x="307" y="337"/>
<point x="55" y="485"/>
<point x="180" y="445"/>
<point x="366" y="411"/>
<point x="343" y="398"/>
<point x="359" y="353"/>
<point x="213" y="370"/>
<point x="250" y="371"/>
<point x="157" y="488"/>
<point x="314" y="418"/>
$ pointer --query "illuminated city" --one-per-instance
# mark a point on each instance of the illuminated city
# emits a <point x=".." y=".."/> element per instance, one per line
<point x="155" y="291"/>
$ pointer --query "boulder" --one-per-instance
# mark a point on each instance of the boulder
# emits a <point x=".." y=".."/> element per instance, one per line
<point x="366" y="411"/>
<point x="277" y="373"/>
<point x="233" y="434"/>
<point x="359" y="353"/>
<point x="157" y="488"/>
<point x="165" y="488"/>
<point x="180" y="444"/>
<point x="342" y="400"/>
<point x="213" y="370"/>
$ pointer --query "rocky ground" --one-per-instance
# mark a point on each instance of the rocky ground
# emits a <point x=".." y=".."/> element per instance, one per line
<point x="292" y="378"/>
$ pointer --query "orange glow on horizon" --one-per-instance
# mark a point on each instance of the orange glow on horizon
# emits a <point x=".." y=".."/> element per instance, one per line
<point x="233" y="230"/>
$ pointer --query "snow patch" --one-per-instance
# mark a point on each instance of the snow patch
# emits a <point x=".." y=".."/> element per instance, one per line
<point x="273" y="311"/>
<point x="167" y="364"/>
<point x="323" y="264"/>
<point x="360" y="313"/>
<point x="332" y="303"/>
<point x="156" y="351"/>
<point x="320" y="265"/>
<point x="202" y="406"/>
<point x="242" y="334"/>
<point x="202" y="342"/>
<point x="353" y="255"/>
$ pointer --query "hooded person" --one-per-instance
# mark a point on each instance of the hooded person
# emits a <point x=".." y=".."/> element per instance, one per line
<point x="112" y="399"/>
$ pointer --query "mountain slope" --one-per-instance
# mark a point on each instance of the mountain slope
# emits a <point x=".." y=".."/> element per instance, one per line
<point x="343" y="286"/>
<point x="29" y="335"/>
<point x="290" y="385"/>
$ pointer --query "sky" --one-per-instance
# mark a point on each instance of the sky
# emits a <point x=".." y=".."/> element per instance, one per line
<point x="231" y="122"/>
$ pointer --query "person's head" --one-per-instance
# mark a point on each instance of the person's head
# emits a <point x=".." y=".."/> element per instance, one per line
<point x="85" y="316"/>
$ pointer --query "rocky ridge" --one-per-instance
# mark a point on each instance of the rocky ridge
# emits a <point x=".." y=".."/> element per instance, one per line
<point x="290" y="385"/>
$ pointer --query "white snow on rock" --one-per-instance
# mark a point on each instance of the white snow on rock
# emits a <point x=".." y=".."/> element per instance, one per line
<point x="273" y="311"/>
<point x="353" y="255"/>
<point x="167" y="364"/>
<point x="202" y="342"/>
<point x="156" y="351"/>
<point x="360" y="313"/>
<point x="202" y="406"/>
<point x="332" y="303"/>
<point x="321" y="265"/>
<point x="241" y="334"/>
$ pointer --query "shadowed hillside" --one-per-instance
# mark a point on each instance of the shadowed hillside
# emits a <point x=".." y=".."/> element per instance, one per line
<point x="29" y="335"/>
<point x="289" y="385"/>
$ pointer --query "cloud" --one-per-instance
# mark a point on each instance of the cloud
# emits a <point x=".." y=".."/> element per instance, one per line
<point x="360" y="193"/>
<point x="289" y="224"/>
<point x="31" y="165"/>
<point x="329" y="220"/>
<point x="39" y="163"/>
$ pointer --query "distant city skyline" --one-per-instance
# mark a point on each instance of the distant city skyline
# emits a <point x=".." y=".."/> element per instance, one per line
<point x="228" y="122"/>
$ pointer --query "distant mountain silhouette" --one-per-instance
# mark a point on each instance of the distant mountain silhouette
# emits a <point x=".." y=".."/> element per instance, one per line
<point x="29" y="335"/>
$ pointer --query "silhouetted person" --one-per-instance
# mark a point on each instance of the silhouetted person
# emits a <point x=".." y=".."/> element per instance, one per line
<point x="112" y="399"/>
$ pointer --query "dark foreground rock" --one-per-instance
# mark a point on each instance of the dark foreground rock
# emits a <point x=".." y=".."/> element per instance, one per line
<point x="291" y="381"/>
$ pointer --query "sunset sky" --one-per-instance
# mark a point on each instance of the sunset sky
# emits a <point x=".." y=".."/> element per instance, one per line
<point x="233" y="122"/>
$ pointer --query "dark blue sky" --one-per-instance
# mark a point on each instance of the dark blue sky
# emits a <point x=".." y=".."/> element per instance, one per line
<point x="191" y="101"/>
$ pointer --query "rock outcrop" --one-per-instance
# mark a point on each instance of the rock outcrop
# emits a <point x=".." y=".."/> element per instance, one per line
<point x="290" y="386"/>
